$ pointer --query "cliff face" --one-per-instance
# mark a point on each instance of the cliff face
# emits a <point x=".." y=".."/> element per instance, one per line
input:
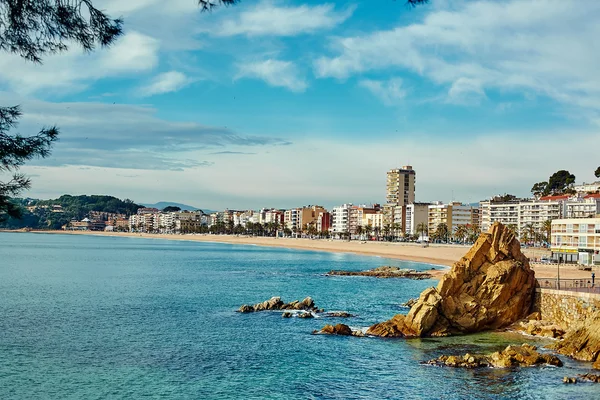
<point x="492" y="286"/>
<point x="583" y="342"/>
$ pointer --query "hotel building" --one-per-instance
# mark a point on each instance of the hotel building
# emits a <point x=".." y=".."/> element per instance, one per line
<point x="576" y="240"/>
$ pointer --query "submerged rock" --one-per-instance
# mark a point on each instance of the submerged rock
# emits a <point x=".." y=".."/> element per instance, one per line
<point x="568" y="379"/>
<point x="385" y="272"/>
<point x="491" y="287"/>
<point x="339" y="329"/>
<point x="538" y="328"/>
<point x="513" y="356"/>
<point x="338" y="314"/>
<point x="275" y="303"/>
<point x="583" y="341"/>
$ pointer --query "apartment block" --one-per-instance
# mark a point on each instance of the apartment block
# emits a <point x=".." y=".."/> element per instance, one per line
<point x="415" y="214"/>
<point x="340" y="217"/>
<point x="576" y="240"/>
<point x="401" y="186"/>
<point x="452" y="214"/>
<point x="357" y="216"/>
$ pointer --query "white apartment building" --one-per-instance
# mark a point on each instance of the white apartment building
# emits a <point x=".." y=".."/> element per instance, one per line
<point x="576" y="240"/>
<point x="340" y="218"/>
<point x="587" y="187"/>
<point x="290" y="219"/>
<point x="529" y="211"/>
<point x="416" y="214"/>
<point x="374" y="220"/>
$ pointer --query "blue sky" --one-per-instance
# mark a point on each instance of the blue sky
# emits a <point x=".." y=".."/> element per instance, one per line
<point x="283" y="103"/>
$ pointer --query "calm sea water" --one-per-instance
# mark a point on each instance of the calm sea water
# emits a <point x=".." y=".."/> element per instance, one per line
<point x="100" y="318"/>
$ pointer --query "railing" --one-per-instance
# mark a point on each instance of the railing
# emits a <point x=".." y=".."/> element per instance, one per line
<point x="571" y="285"/>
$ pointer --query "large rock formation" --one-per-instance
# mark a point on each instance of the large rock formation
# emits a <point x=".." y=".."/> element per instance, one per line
<point x="583" y="342"/>
<point x="492" y="286"/>
<point x="513" y="356"/>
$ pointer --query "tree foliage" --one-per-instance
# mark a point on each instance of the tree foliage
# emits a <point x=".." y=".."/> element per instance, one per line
<point x="597" y="173"/>
<point x="33" y="29"/>
<point x="560" y="182"/>
<point x="171" y="209"/>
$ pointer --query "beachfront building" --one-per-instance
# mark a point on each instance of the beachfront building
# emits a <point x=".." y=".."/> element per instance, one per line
<point x="307" y="216"/>
<point x="340" y="218"/>
<point x="357" y="216"/>
<point x="587" y="206"/>
<point x="505" y="212"/>
<point x="290" y="220"/>
<point x="416" y="214"/>
<point x="535" y="212"/>
<point x="576" y="240"/>
<point x="323" y="221"/>
<point x="401" y="186"/>
<point x="453" y="214"/>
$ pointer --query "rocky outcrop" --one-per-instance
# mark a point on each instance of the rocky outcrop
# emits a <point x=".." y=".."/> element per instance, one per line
<point x="275" y="303"/>
<point x="339" y="329"/>
<point x="491" y="287"/>
<point x="513" y="356"/>
<point x="582" y="377"/>
<point x="385" y="272"/>
<point x="534" y="325"/>
<point x="583" y="341"/>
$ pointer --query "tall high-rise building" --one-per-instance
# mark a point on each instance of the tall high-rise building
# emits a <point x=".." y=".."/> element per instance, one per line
<point x="401" y="186"/>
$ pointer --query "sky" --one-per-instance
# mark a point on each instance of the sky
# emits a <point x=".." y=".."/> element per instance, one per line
<point x="275" y="103"/>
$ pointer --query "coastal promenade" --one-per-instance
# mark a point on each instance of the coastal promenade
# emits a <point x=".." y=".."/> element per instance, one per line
<point x="442" y="255"/>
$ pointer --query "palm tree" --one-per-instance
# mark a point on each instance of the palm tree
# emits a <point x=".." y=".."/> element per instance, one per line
<point x="461" y="233"/>
<point x="512" y="228"/>
<point x="359" y="231"/>
<point x="422" y="229"/>
<point x="546" y="231"/>
<point x="387" y="229"/>
<point x="528" y="233"/>
<point x="368" y="229"/>
<point x="473" y="233"/>
<point x="397" y="230"/>
<point x="441" y="232"/>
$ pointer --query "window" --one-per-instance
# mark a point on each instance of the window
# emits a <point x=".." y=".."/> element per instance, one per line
<point x="569" y="228"/>
<point x="583" y="228"/>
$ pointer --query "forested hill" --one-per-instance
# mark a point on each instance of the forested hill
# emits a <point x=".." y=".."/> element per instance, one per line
<point x="53" y="214"/>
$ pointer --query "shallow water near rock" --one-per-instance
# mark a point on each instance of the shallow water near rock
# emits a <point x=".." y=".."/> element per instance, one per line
<point x="104" y="317"/>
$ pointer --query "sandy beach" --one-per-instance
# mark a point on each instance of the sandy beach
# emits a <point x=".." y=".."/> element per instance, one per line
<point x="440" y="255"/>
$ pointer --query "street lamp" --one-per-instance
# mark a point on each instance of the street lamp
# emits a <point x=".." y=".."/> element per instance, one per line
<point x="558" y="267"/>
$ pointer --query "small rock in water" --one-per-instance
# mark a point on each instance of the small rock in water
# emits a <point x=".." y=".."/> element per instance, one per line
<point x="286" y="314"/>
<point x="568" y="379"/>
<point x="338" y="314"/>
<point x="590" y="377"/>
<point x="305" y="315"/>
<point x="409" y="303"/>
<point x="339" y="329"/>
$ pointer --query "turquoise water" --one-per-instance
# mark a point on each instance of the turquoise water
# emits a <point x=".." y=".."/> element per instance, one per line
<point x="86" y="317"/>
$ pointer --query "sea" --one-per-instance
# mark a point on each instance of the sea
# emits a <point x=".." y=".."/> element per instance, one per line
<point x="88" y="317"/>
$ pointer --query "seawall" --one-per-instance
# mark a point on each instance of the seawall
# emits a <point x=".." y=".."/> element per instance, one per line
<point x="565" y="308"/>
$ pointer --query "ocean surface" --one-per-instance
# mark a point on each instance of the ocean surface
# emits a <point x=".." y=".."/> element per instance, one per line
<point x="85" y="317"/>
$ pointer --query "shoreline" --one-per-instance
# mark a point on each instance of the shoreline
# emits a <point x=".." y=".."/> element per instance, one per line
<point x="436" y="255"/>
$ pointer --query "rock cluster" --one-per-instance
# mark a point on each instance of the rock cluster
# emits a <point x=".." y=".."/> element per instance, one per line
<point x="584" y="377"/>
<point x="409" y="303"/>
<point x="385" y="272"/>
<point x="533" y="325"/>
<point x="583" y="341"/>
<point x="339" y="329"/>
<point x="491" y="287"/>
<point x="275" y="303"/>
<point x="513" y="356"/>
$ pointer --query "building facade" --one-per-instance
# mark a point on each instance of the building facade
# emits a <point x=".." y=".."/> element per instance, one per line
<point x="401" y="186"/>
<point x="576" y="240"/>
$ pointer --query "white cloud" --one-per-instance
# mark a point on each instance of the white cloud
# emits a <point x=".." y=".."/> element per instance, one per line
<point x="132" y="54"/>
<point x="546" y="47"/>
<point x="466" y="91"/>
<point x="166" y="82"/>
<point x="267" y="18"/>
<point x="390" y="92"/>
<point x="274" y="73"/>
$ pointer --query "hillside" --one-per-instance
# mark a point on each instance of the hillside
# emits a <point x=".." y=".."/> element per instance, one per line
<point x="53" y="214"/>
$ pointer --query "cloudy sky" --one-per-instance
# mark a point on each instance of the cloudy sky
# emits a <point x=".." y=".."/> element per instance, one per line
<point x="284" y="103"/>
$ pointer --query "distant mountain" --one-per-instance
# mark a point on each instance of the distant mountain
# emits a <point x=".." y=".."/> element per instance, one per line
<point x="162" y="204"/>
